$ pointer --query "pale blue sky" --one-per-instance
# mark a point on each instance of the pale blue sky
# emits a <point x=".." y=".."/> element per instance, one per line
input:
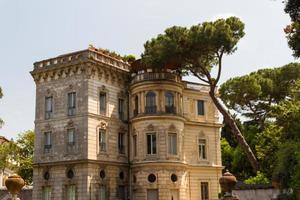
<point x="35" y="30"/>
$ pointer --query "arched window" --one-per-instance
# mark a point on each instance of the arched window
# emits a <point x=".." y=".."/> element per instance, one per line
<point x="169" y="102"/>
<point x="136" y="106"/>
<point x="150" y="102"/>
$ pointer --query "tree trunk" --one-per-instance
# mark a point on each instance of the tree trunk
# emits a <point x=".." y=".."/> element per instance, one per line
<point x="235" y="130"/>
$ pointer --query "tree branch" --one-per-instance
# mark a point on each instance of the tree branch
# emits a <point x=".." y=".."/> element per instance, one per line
<point x="220" y="67"/>
<point x="199" y="77"/>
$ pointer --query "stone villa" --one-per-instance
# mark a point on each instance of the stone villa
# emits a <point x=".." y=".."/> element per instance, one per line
<point x="106" y="129"/>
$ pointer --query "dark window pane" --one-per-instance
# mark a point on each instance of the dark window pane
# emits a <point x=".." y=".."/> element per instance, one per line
<point x="154" y="144"/>
<point x="204" y="191"/>
<point x="200" y="107"/>
<point x="102" y="100"/>
<point x="149" y="144"/>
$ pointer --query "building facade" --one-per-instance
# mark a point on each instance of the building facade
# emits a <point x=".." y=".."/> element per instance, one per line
<point x="107" y="130"/>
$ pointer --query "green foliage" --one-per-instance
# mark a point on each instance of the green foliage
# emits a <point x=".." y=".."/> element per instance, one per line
<point x="260" y="178"/>
<point x="1" y="95"/>
<point x="255" y="94"/>
<point x="197" y="49"/>
<point x="129" y="58"/>
<point x="274" y="129"/>
<point x="7" y="155"/>
<point x="267" y="143"/>
<point x="288" y="165"/>
<point x="25" y="147"/>
<point x="292" y="7"/>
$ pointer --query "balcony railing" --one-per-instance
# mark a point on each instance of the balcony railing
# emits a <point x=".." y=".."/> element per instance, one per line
<point x="135" y="112"/>
<point x="155" y="76"/>
<point x="150" y="109"/>
<point x="170" y="109"/>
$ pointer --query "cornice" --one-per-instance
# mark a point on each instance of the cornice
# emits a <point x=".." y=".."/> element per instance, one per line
<point x="80" y="161"/>
<point x="157" y="116"/>
<point x="208" y="124"/>
<point x="90" y="63"/>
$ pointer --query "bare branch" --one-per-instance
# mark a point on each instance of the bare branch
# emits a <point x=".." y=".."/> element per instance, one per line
<point x="199" y="77"/>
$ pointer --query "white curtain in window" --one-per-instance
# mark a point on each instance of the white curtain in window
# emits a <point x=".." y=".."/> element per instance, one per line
<point x="172" y="145"/>
<point x="102" y="193"/>
<point x="71" y="135"/>
<point x="71" y="192"/>
<point x="46" y="193"/>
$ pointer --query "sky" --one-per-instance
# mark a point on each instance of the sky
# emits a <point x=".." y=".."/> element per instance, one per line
<point x="34" y="30"/>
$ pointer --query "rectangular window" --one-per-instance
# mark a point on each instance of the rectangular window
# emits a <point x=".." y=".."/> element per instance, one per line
<point x="121" y="146"/>
<point x="152" y="194"/>
<point x="48" y="107"/>
<point x="121" y="109"/>
<point x="102" y="193"/>
<point x="151" y="143"/>
<point x="47" y="193"/>
<point x="102" y="140"/>
<point x="71" y="192"/>
<point x="134" y="141"/>
<point x="102" y="100"/>
<point x="71" y="103"/>
<point x="204" y="191"/>
<point x="71" y="136"/>
<point x="121" y="192"/>
<point x="202" y="149"/>
<point x="47" y="141"/>
<point x="172" y="143"/>
<point x="200" y="107"/>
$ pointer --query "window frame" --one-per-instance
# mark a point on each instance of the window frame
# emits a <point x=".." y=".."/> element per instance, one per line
<point x="121" y="108"/>
<point x="169" y="145"/>
<point x="134" y="145"/>
<point x="102" y="145"/>
<point x="203" y="147"/>
<point x="47" y="141"/>
<point x="152" y="147"/>
<point x="169" y="108"/>
<point x="71" y="143"/>
<point x="150" y="102"/>
<point x="121" y="143"/>
<point x="48" y="191"/>
<point x="67" y="191"/>
<point x="207" y="190"/>
<point x="71" y="108"/>
<point x="49" y="113"/>
<point x="103" y="112"/>
<point x="202" y="111"/>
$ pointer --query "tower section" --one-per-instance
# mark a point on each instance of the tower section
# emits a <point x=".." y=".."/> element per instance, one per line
<point x="157" y="124"/>
<point x="175" y="136"/>
<point x="81" y="129"/>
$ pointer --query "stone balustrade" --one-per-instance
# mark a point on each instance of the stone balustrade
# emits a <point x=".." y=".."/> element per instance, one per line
<point x="149" y="76"/>
<point x="81" y="56"/>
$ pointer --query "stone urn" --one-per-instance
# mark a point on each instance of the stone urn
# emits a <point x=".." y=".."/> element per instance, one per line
<point x="227" y="182"/>
<point x="14" y="185"/>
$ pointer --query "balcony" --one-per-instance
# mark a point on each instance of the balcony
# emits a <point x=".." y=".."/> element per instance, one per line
<point x="150" y="109"/>
<point x="151" y="76"/>
<point x="170" y="109"/>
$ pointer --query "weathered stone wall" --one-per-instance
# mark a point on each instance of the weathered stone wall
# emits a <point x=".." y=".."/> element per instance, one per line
<point x="256" y="194"/>
<point x="25" y="194"/>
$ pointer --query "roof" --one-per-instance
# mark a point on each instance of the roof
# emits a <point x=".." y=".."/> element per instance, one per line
<point x="3" y="139"/>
